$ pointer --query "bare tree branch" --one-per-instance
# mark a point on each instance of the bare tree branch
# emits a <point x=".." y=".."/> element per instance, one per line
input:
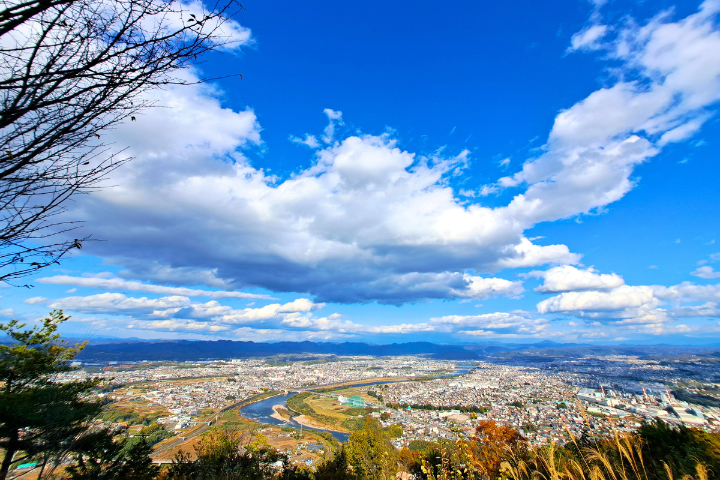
<point x="69" y="70"/>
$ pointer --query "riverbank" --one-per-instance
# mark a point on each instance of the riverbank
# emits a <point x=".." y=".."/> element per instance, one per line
<point x="309" y="422"/>
<point x="277" y="415"/>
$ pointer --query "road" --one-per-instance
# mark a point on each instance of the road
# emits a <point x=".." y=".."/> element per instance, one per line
<point x="203" y="428"/>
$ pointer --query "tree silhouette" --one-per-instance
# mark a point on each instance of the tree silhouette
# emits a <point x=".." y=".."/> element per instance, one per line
<point x="69" y="71"/>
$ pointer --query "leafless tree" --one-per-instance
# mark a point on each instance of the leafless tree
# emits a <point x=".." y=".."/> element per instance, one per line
<point x="70" y="70"/>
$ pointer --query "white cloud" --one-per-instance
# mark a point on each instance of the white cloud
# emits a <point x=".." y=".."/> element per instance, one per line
<point x="480" y="288"/>
<point x="178" y="325"/>
<point x="595" y="144"/>
<point x="568" y="278"/>
<point x="620" y="298"/>
<point x="119" y="303"/>
<point x="638" y="305"/>
<point x="121" y="284"/>
<point x="230" y="34"/>
<point x="334" y="119"/>
<point x="346" y="229"/>
<point x="179" y="307"/>
<point x="309" y="140"/>
<point x="588" y="38"/>
<point x="500" y="323"/>
<point x="683" y="132"/>
<point x="35" y="300"/>
<point x="274" y="310"/>
<point x="491" y="323"/>
<point x="369" y="220"/>
<point x="486" y="190"/>
<point x="709" y="309"/>
<point x="688" y="292"/>
<point x="705" y="272"/>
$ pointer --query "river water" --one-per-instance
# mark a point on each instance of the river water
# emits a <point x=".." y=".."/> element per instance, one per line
<point x="261" y="411"/>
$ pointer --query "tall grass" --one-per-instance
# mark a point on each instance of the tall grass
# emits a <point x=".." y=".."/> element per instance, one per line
<point x="620" y="457"/>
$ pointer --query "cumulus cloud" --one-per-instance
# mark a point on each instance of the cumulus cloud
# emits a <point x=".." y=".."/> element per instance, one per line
<point x="370" y="221"/>
<point x="568" y="278"/>
<point x="648" y="306"/>
<point x="595" y="144"/>
<point x="501" y="323"/>
<point x="119" y="303"/>
<point x="618" y="299"/>
<point x="688" y="292"/>
<point x="495" y="324"/>
<point x="367" y="222"/>
<point x="121" y="284"/>
<point x="705" y="272"/>
<point x="179" y="308"/>
<point x="181" y="315"/>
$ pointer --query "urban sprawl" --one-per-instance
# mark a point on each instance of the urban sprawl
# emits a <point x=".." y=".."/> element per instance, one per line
<point x="429" y="399"/>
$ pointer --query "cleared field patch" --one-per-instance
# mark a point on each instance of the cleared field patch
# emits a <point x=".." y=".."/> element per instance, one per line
<point x="327" y="412"/>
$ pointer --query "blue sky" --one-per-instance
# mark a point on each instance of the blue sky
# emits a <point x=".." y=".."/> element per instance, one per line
<point x="400" y="171"/>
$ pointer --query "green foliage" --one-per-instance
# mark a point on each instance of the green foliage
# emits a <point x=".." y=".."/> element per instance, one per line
<point x="229" y="454"/>
<point x="517" y="404"/>
<point x="369" y="453"/>
<point x="50" y="415"/>
<point x="100" y="457"/>
<point x="51" y="421"/>
<point x="353" y="423"/>
<point x="155" y="434"/>
<point x="297" y="403"/>
<point x="335" y="468"/>
<point x="356" y="411"/>
<point x="680" y="448"/>
<point x="698" y="398"/>
<point x="327" y="436"/>
<point x="394" y="431"/>
<point x="121" y="415"/>
<point x="419" y="445"/>
<point x="376" y="395"/>
<point x="656" y="451"/>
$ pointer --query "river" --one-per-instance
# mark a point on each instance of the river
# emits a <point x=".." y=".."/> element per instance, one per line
<point x="261" y="411"/>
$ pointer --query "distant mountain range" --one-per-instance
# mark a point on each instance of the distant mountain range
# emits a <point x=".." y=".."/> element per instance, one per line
<point x="225" y="349"/>
<point x="184" y="350"/>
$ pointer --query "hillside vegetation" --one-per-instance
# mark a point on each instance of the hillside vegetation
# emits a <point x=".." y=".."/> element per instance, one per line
<point x="656" y="451"/>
